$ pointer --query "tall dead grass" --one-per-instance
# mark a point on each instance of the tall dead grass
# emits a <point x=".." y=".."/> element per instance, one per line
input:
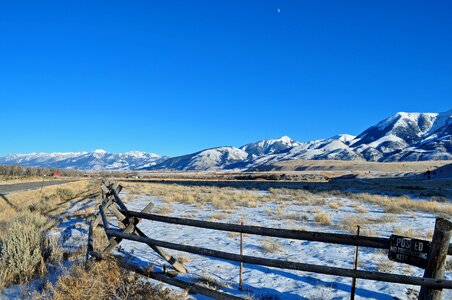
<point x="322" y="217"/>
<point x="223" y="198"/>
<point x="404" y="203"/>
<point x="23" y="249"/>
<point x="106" y="280"/>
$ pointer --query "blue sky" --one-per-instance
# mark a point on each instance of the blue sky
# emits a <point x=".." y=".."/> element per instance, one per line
<point x="174" y="77"/>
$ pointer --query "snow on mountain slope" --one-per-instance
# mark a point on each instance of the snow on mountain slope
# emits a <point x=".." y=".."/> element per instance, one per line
<point x="270" y="146"/>
<point x="333" y="148"/>
<point x="210" y="159"/>
<point x="96" y="160"/>
<point x="407" y="136"/>
<point x="397" y="131"/>
<point x="401" y="137"/>
<point x="345" y="138"/>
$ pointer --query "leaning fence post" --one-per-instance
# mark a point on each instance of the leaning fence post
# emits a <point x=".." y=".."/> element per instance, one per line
<point x="437" y="258"/>
<point x="241" y="263"/>
<point x="355" y="267"/>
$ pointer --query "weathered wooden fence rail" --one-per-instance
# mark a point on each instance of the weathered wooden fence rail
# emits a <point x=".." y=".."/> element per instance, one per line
<point x="432" y="283"/>
<point x="331" y="238"/>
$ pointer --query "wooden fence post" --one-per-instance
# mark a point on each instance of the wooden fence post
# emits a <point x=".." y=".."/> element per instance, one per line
<point x="437" y="258"/>
<point x="355" y="267"/>
<point x="241" y="263"/>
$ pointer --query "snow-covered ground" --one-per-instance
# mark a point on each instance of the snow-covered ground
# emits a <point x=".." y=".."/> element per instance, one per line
<point x="283" y="284"/>
<point x="260" y="282"/>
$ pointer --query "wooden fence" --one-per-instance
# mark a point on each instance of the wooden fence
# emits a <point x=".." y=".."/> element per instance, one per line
<point x="431" y="284"/>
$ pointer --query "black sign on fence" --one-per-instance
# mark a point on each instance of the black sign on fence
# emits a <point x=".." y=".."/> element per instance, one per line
<point x="407" y="250"/>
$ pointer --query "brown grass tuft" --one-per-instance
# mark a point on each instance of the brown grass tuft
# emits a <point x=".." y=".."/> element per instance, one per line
<point x="105" y="280"/>
<point x="322" y="217"/>
<point x="270" y="246"/>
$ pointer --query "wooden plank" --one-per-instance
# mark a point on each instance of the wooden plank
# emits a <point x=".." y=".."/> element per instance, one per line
<point x="104" y="219"/>
<point x="90" y="246"/>
<point x="114" y="242"/>
<point x="170" y="259"/>
<point x="436" y="264"/>
<point x="118" y="200"/>
<point x="129" y="228"/>
<point x="334" y="238"/>
<point x="132" y="220"/>
<point x="378" y="276"/>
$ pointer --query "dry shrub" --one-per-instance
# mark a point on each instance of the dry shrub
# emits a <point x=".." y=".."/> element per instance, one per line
<point x="270" y="246"/>
<point x="105" y="280"/>
<point x="223" y="198"/>
<point x="219" y="216"/>
<point x="334" y="205"/>
<point x="164" y="209"/>
<point x="23" y="249"/>
<point x="403" y="203"/>
<point x="233" y="234"/>
<point x="298" y="217"/>
<point x="385" y="266"/>
<point x="210" y="282"/>
<point x="408" y="232"/>
<point x="65" y="194"/>
<point x="183" y="259"/>
<point x="350" y="223"/>
<point x="361" y="209"/>
<point x="322" y="217"/>
<point x="393" y="208"/>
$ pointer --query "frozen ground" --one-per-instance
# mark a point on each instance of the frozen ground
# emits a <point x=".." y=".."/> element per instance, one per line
<point x="260" y="282"/>
<point x="283" y="284"/>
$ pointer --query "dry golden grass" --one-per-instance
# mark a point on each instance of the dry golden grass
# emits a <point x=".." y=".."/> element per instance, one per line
<point x="21" y="251"/>
<point x="404" y="203"/>
<point x="24" y="218"/>
<point x="183" y="259"/>
<point x="221" y="198"/>
<point x="302" y="217"/>
<point x="11" y="203"/>
<point x="210" y="282"/>
<point x="233" y="234"/>
<point x="385" y="266"/>
<point x="361" y="209"/>
<point x="270" y="246"/>
<point x="410" y="232"/>
<point x="219" y="216"/>
<point x="163" y="209"/>
<point x="105" y="280"/>
<point x="334" y="205"/>
<point x="351" y="222"/>
<point x="322" y="217"/>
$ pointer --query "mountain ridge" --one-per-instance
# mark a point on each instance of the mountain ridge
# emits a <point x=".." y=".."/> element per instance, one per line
<point x="401" y="137"/>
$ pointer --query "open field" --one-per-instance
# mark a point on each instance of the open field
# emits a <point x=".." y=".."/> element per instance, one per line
<point x="291" y="209"/>
<point x="381" y="207"/>
<point x="356" y="166"/>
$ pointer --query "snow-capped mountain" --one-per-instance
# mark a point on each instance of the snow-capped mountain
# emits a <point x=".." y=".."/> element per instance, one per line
<point x="269" y="146"/>
<point x="401" y="137"/>
<point x="407" y="137"/>
<point x="96" y="160"/>
<point x="210" y="159"/>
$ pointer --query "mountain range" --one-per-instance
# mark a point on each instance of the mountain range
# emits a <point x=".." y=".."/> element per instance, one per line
<point x="401" y="137"/>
